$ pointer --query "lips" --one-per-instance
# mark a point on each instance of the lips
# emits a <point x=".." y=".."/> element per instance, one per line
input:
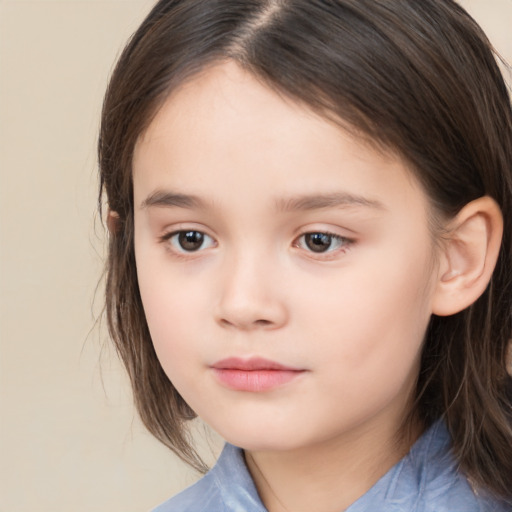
<point x="254" y="374"/>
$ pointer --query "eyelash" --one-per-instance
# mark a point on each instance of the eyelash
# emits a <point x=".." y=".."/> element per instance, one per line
<point x="342" y="243"/>
<point x="177" y="247"/>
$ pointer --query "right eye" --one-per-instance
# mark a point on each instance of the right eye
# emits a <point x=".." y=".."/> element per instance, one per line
<point x="189" y="240"/>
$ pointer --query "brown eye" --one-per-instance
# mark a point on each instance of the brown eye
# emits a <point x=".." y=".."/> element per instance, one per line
<point x="318" y="242"/>
<point x="189" y="241"/>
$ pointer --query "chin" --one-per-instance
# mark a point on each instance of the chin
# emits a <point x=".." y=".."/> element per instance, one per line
<point x="262" y="439"/>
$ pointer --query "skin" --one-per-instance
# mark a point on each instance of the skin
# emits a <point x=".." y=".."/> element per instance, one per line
<point x="353" y="318"/>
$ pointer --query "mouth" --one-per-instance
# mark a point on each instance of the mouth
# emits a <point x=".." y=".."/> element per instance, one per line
<point x="254" y="374"/>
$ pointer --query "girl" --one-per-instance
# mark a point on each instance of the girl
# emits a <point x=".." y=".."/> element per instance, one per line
<point x="310" y="208"/>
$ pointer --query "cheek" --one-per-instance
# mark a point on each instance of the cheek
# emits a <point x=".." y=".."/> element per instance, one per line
<point x="371" y="321"/>
<point x="175" y="308"/>
<point x="174" y="321"/>
<point x="172" y="308"/>
<point x="368" y="348"/>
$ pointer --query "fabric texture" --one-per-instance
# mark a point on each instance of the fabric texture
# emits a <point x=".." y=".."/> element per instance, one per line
<point x="425" y="480"/>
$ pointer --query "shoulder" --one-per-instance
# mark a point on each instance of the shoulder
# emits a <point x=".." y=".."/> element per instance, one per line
<point x="427" y="480"/>
<point x="228" y="487"/>
<point x="460" y="497"/>
<point x="202" y="496"/>
<point x="441" y="486"/>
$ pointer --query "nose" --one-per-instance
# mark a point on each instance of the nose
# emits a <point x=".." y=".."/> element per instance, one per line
<point x="252" y="295"/>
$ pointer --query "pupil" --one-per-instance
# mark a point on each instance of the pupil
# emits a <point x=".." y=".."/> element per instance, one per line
<point x="191" y="240"/>
<point x="318" y="242"/>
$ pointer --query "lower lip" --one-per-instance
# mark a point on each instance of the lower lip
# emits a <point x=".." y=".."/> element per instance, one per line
<point x="255" y="380"/>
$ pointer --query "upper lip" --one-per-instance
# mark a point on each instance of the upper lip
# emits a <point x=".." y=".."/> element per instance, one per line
<point x="251" y="364"/>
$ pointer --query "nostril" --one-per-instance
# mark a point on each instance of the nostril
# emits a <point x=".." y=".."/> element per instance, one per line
<point x="255" y="323"/>
<point x="262" y="322"/>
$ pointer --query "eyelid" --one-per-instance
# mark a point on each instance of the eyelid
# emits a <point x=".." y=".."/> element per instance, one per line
<point x="167" y="237"/>
<point x="165" y="232"/>
<point x="342" y="246"/>
<point x="346" y="244"/>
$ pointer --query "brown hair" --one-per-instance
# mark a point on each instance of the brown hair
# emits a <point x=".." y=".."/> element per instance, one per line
<point x="417" y="76"/>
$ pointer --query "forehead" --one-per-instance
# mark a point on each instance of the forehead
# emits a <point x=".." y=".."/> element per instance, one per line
<point x="224" y="132"/>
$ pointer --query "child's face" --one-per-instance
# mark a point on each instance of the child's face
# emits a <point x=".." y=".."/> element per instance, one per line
<point x="264" y="231"/>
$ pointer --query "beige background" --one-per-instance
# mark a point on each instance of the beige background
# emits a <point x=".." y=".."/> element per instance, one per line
<point x="69" y="439"/>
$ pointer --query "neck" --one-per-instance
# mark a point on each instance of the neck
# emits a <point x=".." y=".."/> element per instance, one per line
<point x="330" y="475"/>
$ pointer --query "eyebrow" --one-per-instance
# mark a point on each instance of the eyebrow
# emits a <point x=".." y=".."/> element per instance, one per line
<point x="171" y="199"/>
<point x="298" y="203"/>
<point x="333" y="200"/>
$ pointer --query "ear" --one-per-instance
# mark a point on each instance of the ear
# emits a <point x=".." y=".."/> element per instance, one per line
<point x="468" y="256"/>
<point x="113" y="222"/>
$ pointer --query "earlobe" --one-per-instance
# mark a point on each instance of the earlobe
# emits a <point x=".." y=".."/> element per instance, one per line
<point x="468" y="256"/>
<point x="113" y="222"/>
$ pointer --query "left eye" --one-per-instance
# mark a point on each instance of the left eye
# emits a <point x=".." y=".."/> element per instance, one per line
<point x="190" y="240"/>
<point x="321" y="242"/>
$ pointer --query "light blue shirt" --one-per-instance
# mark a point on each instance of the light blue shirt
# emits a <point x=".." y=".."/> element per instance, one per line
<point x="425" y="480"/>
